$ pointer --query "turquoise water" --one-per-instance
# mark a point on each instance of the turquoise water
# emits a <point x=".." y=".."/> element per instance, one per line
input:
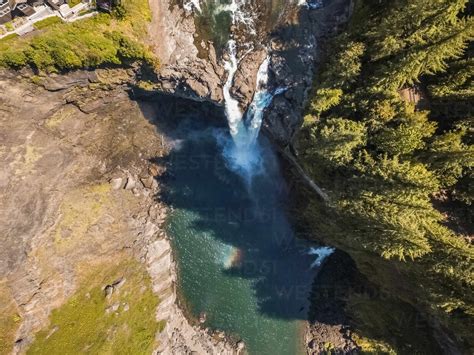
<point x="238" y="261"/>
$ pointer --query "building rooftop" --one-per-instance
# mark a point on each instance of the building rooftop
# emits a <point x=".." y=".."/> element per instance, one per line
<point x="25" y="9"/>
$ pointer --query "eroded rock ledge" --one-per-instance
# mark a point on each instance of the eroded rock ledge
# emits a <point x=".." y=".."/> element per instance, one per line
<point x="183" y="72"/>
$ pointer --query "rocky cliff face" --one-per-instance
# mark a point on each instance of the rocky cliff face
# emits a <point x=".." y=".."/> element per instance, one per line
<point x="184" y="73"/>
<point x="295" y="53"/>
<point x="78" y="190"/>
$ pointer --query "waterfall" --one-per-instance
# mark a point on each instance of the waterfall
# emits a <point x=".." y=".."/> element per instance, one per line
<point x="232" y="109"/>
<point x="261" y="100"/>
<point x="244" y="154"/>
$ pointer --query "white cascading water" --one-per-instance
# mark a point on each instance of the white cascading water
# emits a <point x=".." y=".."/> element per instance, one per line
<point x="232" y="109"/>
<point x="261" y="100"/>
<point x="242" y="158"/>
<point x="244" y="153"/>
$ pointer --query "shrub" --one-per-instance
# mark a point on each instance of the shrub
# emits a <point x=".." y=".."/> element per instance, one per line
<point x="47" y="22"/>
<point x="73" y="3"/>
<point x="13" y="59"/>
<point x="9" y="26"/>
<point x="8" y="37"/>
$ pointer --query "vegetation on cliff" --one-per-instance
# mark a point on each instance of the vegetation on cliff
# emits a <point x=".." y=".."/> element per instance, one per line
<point x="100" y="40"/>
<point x="119" y="319"/>
<point x="9" y="319"/>
<point x="388" y="163"/>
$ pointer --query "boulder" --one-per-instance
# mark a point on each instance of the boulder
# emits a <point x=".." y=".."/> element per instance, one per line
<point x="131" y="183"/>
<point x="117" y="183"/>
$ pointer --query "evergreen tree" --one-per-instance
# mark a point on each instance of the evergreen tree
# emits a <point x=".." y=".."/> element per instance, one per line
<point x="336" y="139"/>
<point x="408" y="135"/>
<point x="449" y="157"/>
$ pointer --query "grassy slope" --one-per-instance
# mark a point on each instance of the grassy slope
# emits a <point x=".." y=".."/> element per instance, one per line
<point x="86" y="323"/>
<point x="101" y="40"/>
<point x="49" y="21"/>
<point x="9" y="319"/>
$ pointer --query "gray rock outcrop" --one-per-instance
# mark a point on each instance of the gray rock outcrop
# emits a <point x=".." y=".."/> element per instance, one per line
<point x="184" y="72"/>
<point x="295" y="54"/>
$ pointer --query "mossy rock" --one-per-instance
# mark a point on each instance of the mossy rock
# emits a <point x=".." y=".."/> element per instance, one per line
<point x="113" y="312"/>
<point x="9" y="319"/>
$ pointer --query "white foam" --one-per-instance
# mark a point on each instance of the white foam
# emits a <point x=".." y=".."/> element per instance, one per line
<point x="193" y="4"/>
<point x="322" y="253"/>
<point x="232" y="109"/>
<point x="311" y="4"/>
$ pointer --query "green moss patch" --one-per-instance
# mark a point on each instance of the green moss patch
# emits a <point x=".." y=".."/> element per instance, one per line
<point x="95" y="320"/>
<point x="9" y="320"/>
